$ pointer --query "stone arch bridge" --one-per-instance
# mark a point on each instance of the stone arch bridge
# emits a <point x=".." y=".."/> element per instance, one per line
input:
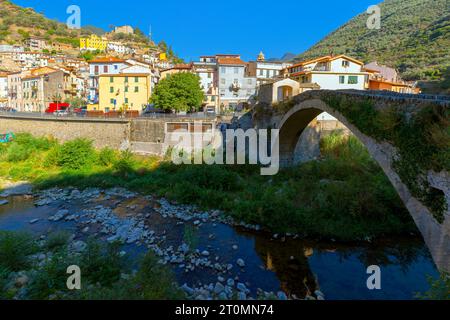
<point x="358" y="111"/>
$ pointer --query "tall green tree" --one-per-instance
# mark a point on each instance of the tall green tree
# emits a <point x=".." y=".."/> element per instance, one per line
<point x="179" y="92"/>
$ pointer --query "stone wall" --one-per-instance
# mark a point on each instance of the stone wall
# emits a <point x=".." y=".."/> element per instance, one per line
<point x="103" y="133"/>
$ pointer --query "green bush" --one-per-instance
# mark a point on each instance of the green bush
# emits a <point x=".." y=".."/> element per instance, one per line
<point x="4" y="274"/>
<point x="124" y="166"/>
<point x="14" y="249"/>
<point x="76" y="154"/>
<point x="102" y="263"/>
<point x="57" y="240"/>
<point x="439" y="288"/>
<point x="107" y="156"/>
<point x="52" y="277"/>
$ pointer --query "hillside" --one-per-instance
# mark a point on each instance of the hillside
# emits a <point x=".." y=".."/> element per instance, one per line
<point x="17" y="24"/>
<point x="414" y="38"/>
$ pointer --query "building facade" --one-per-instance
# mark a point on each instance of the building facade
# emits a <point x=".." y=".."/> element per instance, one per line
<point x="93" y="43"/>
<point x="266" y="71"/>
<point x="42" y="87"/>
<point x="206" y="69"/>
<point x="236" y="88"/>
<point x="15" y="91"/>
<point x="98" y="67"/>
<point x="3" y="89"/>
<point x="124" y="91"/>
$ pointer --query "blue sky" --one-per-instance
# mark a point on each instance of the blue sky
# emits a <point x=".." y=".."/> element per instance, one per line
<point x="203" y="27"/>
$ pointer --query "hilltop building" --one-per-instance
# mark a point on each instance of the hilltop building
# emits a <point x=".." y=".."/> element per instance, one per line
<point x="124" y="29"/>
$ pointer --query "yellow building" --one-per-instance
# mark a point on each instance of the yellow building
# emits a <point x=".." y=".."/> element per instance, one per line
<point x="124" y="91"/>
<point x="94" y="42"/>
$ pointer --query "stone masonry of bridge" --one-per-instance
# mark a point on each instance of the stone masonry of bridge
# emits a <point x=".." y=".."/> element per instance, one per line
<point x="296" y="116"/>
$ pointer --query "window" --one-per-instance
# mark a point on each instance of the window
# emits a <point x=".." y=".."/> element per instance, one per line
<point x="352" y="80"/>
<point x="111" y="101"/>
<point x="111" y="79"/>
<point x="223" y="70"/>
<point x="222" y="81"/>
<point x="136" y="89"/>
<point x="209" y="75"/>
<point x="341" y="79"/>
<point x="105" y="69"/>
<point x="126" y="100"/>
<point x="249" y="81"/>
<point x="136" y="79"/>
<point x="96" y="69"/>
<point x="111" y="89"/>
<point x="116" y="67"/>
<point x="126" y="88"/>
<point x="261" y="72"/>
<point x="236" y="70"/>
<point x="345" y="64"/>
<point x="213" y="98"/>
<point x="126" y="79"/>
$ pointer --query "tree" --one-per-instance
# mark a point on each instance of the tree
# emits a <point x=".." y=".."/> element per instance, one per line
<point x="179" y="92"/>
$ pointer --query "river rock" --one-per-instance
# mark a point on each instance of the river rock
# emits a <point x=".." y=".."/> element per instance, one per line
<point x="59" y="215"/>
<point x="205" y="253"/>
<point x="21" y="281"/>
<point x="187" y="289"/>
<point x="281" y="296"/>
<point x="219" y="288"/>
<point x="34" y="221"/>
<point x="230" y="282"/>
<point x="241" y="287"/>
<point x="242" y="296"/>
<point x="240" y="263"/>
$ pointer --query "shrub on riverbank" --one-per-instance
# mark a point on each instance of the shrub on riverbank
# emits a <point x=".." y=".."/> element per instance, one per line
<point x="15" y="247"/>
<point x="344" y="196"/>
<point x="105" y="271"/>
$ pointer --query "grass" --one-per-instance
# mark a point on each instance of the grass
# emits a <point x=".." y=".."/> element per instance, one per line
<point x="15" y="249"/>
<point x="102" y="269"/>
<point x="345" y="196"/>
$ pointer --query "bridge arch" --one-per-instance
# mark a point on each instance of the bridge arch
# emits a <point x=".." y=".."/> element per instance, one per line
<point x="295" y="121"/>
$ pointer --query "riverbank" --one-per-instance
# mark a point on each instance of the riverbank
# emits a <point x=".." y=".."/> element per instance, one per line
<point x="345" y="196"/>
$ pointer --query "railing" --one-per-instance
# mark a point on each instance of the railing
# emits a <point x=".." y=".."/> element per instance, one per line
<point x="396" y="95"/>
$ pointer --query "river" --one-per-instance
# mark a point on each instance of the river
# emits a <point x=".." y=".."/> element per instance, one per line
<point x="273" y="263"/>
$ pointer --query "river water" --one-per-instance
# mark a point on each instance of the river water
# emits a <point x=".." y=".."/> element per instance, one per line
<point x="294" y="266"/>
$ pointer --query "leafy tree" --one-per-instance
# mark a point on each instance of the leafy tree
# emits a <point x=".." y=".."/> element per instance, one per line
<point x="179" y="92"/>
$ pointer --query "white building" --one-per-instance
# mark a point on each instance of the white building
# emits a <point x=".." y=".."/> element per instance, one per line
<point x="236" y="87"/>
<point x="206" y="69"/>
<point x="266" y="71"/>
<point x="329" y="73"/>
<point x="15" y="91"/>
<point x="3" y="89"/>
<point x="11" y="48"/>
<point x="119" y="47"/>
<point x="97" y="67"/>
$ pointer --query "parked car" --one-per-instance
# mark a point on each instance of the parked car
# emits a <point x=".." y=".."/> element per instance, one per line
<point x="80" y="111"/>
<point x="210" y="111"/>
<point x="61" y="113"/>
